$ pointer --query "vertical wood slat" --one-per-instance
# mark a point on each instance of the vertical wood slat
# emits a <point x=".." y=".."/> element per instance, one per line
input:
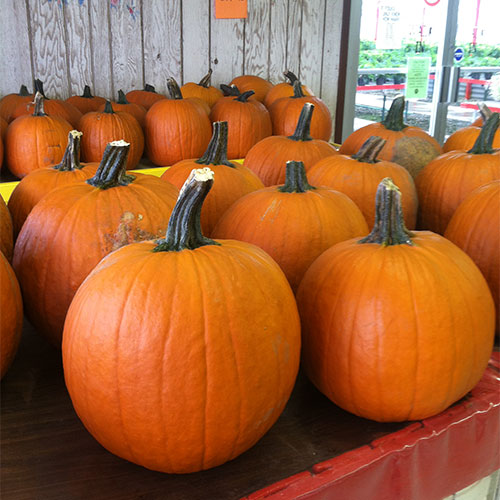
<point x="15" y="60"/>
<point x="294" y="33"/>
<point x="49" y="50"/>
<point x="162" y="43"/>
<point x="257" y="40"/>
<point x="278" y="40"/>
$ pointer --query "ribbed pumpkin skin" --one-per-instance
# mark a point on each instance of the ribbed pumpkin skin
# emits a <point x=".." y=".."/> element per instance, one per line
<point x="53" y="107"/>
<point x="465" y="138"/>
<point x="34" y="142"/>
<point x="136" y="110"/>
<point x="100" y="128"/>
<point x="395" y="333"/>
<point x="144" y="98"/>
<point x="445" y="182"/>
<point x="210" y="94"/>
<point x="11" y="318"/>
<point x="293" y="228"/>
<point x="71" y="229"/>
<point x="201" y="365"/>
<point x="251" y="82"/>
<point x="10" y="102"/>
<point x="269" y="156"/>
<point x="176" y="129"/>
<point x="86" y="104"/>
<point x="6" y="231"/>
<point x="231" y="184"/>
<point x="283" y="89"/>
<point x="475" y="228"/>
<point x="359" y="181"/>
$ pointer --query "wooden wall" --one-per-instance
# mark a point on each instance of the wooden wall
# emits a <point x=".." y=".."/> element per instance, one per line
<point x="123" y="44"/>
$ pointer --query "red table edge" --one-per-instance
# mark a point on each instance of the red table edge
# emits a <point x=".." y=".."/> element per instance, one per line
<point x="427" y="460"/>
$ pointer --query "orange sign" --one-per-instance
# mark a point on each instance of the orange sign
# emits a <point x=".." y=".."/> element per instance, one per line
<point x="231" y="9"/>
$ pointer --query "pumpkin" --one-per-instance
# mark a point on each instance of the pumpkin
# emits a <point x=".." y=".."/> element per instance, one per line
<point x="397" y="325"/>
<point x="286" y="111"/>
<point x="233" y="91"/>
<point x="73" y="227"/>
<point x="176" y="128"/>
<point x="10" y="102"/>
<point x="190" y="356"/>
<point x="411" y="147"/>
<point x="145" y="98"/>
<point x="11" y="319"/>
<point x="284" y="89"/>
<point x="202" y="90"/>
<point x="359" y="176"/>
<point x="38" y="183"/>
<point x="6" y="231"/>
<point x="101" y="127"/>
<point x="233" y="179"/>
<point x="252" y="82"/>
<point x="248" y="122"/>
<point x="475" y="228"/>
<point x="86" y="102"/>
<point x="35" y="141"/>
<point x="269" y="156"/>
<point x="446" y="181"/>
<point x="294" y="223"/>
<point x="136" y="110"/>
<point x="53" y="107"/>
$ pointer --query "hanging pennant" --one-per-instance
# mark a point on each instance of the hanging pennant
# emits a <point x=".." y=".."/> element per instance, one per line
<point x="231" y="9"/>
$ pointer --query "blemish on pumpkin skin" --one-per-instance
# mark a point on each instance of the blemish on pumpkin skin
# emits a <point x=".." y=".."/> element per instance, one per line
<point x="274" y="209"/>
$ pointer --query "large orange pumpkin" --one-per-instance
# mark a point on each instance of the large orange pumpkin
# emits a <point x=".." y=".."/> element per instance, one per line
<point x="122" y="104"/>
<point x="411" y="147"/>
<point x="6" y="231"/>
<point x="396" y="326"/>
<point x="252" y="82"/>
<point x="11" y="317"/>
<point x="269" y="156"/>
<point x="475" y="228"/>
<point x="145" y="98"/>
<point x="176" y="128"/>
<point x="294" y="223"/>
<point x="205" y="368"/>
<point x="202" y="90"/>
<point x="38" y="183"/>
<point x="233" y="179"/>
<point x="446" y="181"/>
<point x="73" y="227"/>
<point x="359" y="175"/>
<point x="35" y="141"/>
<point x="10" y="102"/>
<point x="284" y="89"/>
<point x="86" y="102"/>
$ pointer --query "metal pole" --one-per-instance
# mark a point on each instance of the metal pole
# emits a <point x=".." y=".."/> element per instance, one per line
<point x="383" y="107"/>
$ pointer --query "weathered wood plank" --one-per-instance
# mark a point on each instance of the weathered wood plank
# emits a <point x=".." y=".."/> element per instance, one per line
<point x="294" y="32"/>
<point x="257" y="39"/>
<point x="126" y="44"/>
<point x="196" y="40"/>
<point x="15" y="56"/>
<point x="162" y="42"/>
<point x="278" y="21"/>
<point x="48" y="46"/>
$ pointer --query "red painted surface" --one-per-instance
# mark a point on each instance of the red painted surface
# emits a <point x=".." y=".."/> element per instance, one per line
<point x="427" y="460"/>
<point x="473" y="105"/>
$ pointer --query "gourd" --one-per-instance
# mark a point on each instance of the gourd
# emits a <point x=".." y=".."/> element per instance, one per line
<point x="86" y="102"/>
<point x="202" y="90"/>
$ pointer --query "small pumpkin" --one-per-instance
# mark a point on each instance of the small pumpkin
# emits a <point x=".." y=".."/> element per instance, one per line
<point x="259" y="85"/>
<point x="145" y="98"/>
<point x="202" y="90"/>
<point x="86" y="102"/>
<point x="411" y="147"/>
<point x="233" y="179"/>
<point x="180" y="354"/>
<point x="269" y="156"/>
<point x="448" y="179"/>
<point x="284" y="89"/>
<point x="10" y="102"/>
<point x="6" y="231"/>
<point x="294" y="223"/>
<point x="358" y="176"/>
<point x="35" y="141"/>
<point x="122" y="104"/>
<point x="389" y="321"/>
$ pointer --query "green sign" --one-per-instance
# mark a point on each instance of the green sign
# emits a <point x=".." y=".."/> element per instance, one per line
<point x="417" y="77"/>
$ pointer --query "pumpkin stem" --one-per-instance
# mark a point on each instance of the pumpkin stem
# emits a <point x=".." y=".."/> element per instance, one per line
<point x="484" y="142"/>
<point x="394" y="118"/>
<point x="369" y="151"/>
<point x="297" y="90"/>
<point x="39" y="87"/>
<point x="149" y="88"/>
<point x="174" y="89"/>
<point x="205" y="81"/>
<point x="111" y="171"/>
<point x="291" y="77"/>
<point x="485" y="111"/>
<point x="244" y="97"/>
<point x="216" y="153"/>
<point x="122" y="99"/>
<point x="108" y="108"/>
<point x="295" y="178"/>
<point x="303" y="129"/>
<point x="71" y="158"/>
<point x="389" y="228"/>
<point x="23" y="91"/>
<point x="39" y="106"/>
<point x="229" y="90"/>
<point x="184" y="226"/>
<point x="86" y="92"/>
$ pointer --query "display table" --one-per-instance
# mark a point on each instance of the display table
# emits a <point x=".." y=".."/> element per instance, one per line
<point x="315" y="450"/>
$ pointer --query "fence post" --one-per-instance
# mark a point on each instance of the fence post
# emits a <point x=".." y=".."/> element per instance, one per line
<point x="383" y="107"/>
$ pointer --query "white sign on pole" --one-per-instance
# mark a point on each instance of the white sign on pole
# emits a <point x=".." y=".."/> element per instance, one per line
<point x="389" y="31"/>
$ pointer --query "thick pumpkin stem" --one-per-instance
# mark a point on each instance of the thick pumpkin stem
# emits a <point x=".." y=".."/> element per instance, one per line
<point x="174" y="89"/>
<point x="244" y="97"/>
<point x="149" y="88"/>
<point x="108" y="108"/>
<point x="111" y="171"/>
<point x="389" y="228"/>
<point x="39" y="87"/>
<point x="205" y="81"/>
<point x="230" y="90"/>
<point x="369" y="151"/>
<point x="394" y="118"/>
<point x="303" y="129"/>
<point x="297" y="90"/>
<point x="87" y="93"/>
<point x="184" y="226"/>
<point x="295" y="178"/>
<point x="291" y="77"/>
<point x="216" y="153"/>
<point x="485" y="111"/>
<point x="484" y="143"/>
<point x="71" y="158"/>
<point x="39" y="106"/>
<point x="122" y="99"/>
<point x="23" y="91"/>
